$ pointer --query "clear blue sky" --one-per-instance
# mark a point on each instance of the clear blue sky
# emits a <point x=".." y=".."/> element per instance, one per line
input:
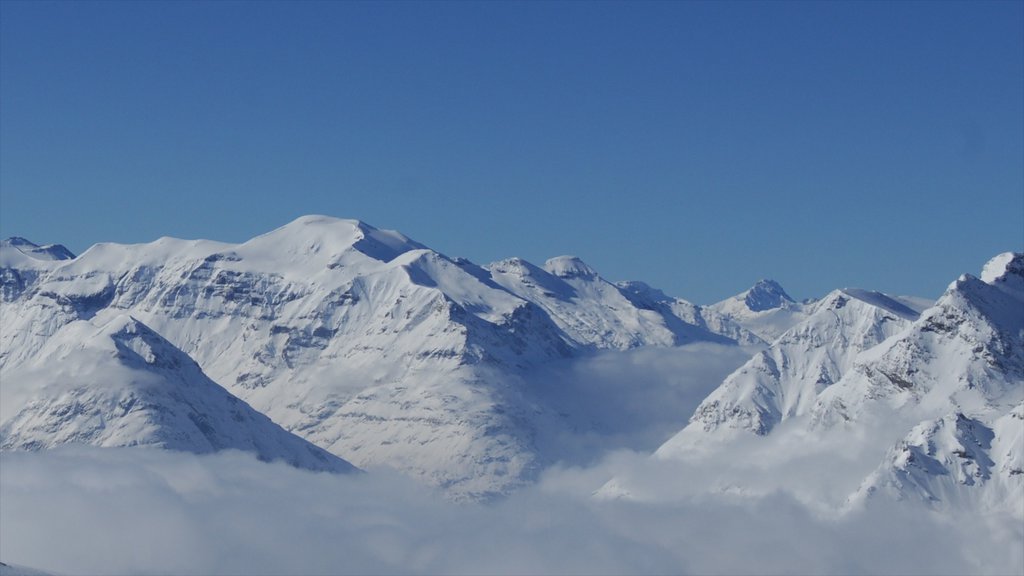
<point x="695" y="146"/>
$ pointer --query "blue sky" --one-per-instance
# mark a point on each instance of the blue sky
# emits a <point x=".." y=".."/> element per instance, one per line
<point x="697" y="146"/>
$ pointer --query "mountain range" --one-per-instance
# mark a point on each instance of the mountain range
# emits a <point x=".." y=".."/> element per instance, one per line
<point x="331" y="344"/>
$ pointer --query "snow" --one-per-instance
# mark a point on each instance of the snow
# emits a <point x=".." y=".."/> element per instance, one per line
<point x="785" y="381"/>
<point x="111" y="381"/>
<point x="50" y="252"/>
<point x="765" y="310"/>
<point x="569" y="267"/>
<point x="997" y="267"/>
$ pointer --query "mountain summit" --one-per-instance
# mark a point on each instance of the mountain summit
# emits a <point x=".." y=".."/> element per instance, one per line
<point x="766" y="295"/>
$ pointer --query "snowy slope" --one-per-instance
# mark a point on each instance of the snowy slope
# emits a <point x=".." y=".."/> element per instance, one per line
<point x="785" y="380"/>
<point x="964" y="354"/>
<point x="955" y="462"/>
<point x="49" y="252"/>
<point x="22" y="263"/>
<point x="599" y="314"/>
<point x="111" y="381"/>
<point x="959" y="373"/>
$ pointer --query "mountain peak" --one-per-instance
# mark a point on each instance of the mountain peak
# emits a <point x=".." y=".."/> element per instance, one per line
<point x="33" y="250"/>
<point x="766" y="295"/>
<point x="569" y="267"/>
<point x="1005" y="271"/>
<point x="19" y="242"/>
<point x="312" y="234"/>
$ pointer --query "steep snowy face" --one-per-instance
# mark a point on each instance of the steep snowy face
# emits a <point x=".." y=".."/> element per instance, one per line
<point x="785" y="380"/>
<point x="939" y="399"/>
<point x="765" y="309"/>
<point x="965" y="354"/>
<point x="112" y="381"/>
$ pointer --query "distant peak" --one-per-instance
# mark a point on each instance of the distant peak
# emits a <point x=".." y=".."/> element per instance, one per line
<point x="20" y="242"/>
<point x="569" y="267"/>
<point x="317" y="233"/>
<point x="33" y="250"/>
<point x="766" y="295"/>
<point x="514" y="265"/>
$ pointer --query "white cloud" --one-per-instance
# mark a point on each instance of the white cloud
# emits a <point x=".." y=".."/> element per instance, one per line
<point x="633" y="399"/>
<point x="138" y="511"/>
<point x="764" y="506"/>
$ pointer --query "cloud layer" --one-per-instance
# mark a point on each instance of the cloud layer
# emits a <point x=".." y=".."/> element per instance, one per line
<point x="140" y="511"/>
<point x="765" y="506"/>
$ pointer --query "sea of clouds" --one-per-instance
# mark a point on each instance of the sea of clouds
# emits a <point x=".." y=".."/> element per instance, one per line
<point x="82" y="510"/>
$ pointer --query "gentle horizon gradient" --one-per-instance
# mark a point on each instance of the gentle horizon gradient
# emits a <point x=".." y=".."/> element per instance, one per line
<point x="695" y="146"/>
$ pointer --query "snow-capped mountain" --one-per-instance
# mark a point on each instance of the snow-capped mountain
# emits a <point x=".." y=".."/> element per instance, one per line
<point x="765" y="309"/>
<point x="360" y="340"/>
<point x="111" y="381"/>
<point x="958" y="372"/>
<point x="784" y="381"/>
<point x="952" y="380"/>
<point x="384" y="352"/>
<point x="964" y="354"/>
